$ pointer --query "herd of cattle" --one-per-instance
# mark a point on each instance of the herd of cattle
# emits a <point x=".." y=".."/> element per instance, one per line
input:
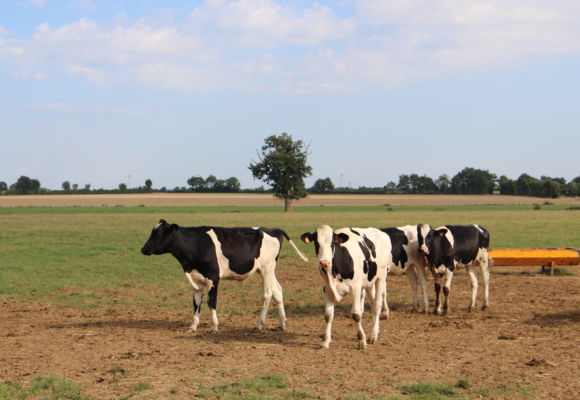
<point x="350" y="260"/>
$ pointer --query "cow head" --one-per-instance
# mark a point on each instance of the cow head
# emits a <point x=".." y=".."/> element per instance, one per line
<point x="160" y="239"/>
<point x="425" y="238"/>
<point x="325" y="241"/>
<point x="434" y="244"/>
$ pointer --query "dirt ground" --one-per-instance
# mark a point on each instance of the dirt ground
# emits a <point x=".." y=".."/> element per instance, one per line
<point x="250" y="199"/>
<point x="525" y="346"/>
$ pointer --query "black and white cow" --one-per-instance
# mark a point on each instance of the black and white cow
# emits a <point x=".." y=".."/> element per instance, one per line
<point x="406" y="257"/>
<point x="352" y="260"/>
<point x="208" y="254"/>
<point x="450" y="246"/>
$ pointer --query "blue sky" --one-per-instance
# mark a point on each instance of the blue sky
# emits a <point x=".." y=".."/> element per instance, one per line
<point x="97" y="91"/>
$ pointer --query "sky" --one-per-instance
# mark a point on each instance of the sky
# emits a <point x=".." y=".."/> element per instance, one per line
<point x="109" y="92"/>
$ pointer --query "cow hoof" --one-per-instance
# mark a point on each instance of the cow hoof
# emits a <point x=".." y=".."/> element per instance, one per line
<point x="280" y="328"/>
<point x="257" y="330"/>
<point x="324" y="345"/>
<point x="470" y="308"/>
<point x="193" y="328"/>
<point x="362" y="345"/>
<point x="485" y="307"/>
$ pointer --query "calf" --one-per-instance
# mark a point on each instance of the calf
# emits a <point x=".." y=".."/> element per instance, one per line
<point x="406" y="257"/>
<point x="208" y="254"/>
<point x="450" y="246"/>
<point x="352" y="260"/>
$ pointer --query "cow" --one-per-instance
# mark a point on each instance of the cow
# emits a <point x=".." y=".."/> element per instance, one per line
<point x="351" y="260"/>
<point x="208" y="254"/>
<point x="406" y="257"/>
<point x="450" y="246"/>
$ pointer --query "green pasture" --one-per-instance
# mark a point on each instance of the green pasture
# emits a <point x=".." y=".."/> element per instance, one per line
<point x="90" y="257"/>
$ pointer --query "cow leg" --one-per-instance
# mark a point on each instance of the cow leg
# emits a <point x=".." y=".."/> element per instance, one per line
<point x="328" y="317"/>
<point x="362" y="300"/>
<point x="212" y="303"/>
<point x="376" y="309"/>
<point x="422" y="279"/>
<point x="437" y="280"/>
<point x="385" y="312"/>
<point x="197" y="298"/>
<point x="474" y="285"/>
<point x="267" y="285"/>
<point x="279" y="299"/>
<point x="412" y="275"/>
<point x="357" y="317"/>
<point x="447" y="290"/>
<point x="484" y="265"/>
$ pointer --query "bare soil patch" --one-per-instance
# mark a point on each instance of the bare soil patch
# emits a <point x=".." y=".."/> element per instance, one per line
<point x="248" y="199"/>
<point x="525" y="346"/>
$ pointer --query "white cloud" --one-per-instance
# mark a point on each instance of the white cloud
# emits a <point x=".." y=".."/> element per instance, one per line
<point x="94" y="76"/>
<point x="257" y="45"/>
<point x="37" y="3"/>
<point x="256" y="23"/>
<point x="460" y="34"/>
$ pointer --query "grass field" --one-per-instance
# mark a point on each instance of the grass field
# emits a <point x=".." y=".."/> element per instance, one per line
<point x="58" y="251"/>
<point x="87" y="260"/>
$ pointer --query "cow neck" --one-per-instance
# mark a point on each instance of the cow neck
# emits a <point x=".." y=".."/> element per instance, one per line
<point x="179" y="247"/>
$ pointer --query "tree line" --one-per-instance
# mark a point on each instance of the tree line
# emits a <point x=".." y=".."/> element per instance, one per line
<point x="467" y="181"/>
<point x="282" y="164"/>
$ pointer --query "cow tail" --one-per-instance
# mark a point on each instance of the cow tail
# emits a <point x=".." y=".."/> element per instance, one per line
<point x="302" y="256"/>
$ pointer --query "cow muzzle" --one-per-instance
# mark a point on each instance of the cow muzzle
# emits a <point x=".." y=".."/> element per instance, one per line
<point x="324" y="264"/>
<point x="424" y="249"/>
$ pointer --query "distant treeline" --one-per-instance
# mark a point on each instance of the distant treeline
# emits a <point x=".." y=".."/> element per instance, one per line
<point x="467" y="181"/>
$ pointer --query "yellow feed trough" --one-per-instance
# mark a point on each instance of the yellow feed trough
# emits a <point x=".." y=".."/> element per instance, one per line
<point x="535" y="256"/>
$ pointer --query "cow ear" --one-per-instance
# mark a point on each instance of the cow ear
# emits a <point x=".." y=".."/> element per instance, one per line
<point x="162" y="221"/>
<point x="341" y="238"/>
<point x="442" y="232"/>
<point x="307" y="237"/>
<point x="174" y="227"/>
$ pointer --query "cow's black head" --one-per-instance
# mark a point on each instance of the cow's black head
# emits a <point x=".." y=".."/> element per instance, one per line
<point x="433" y="243"/>
<point x="160" y="239"/>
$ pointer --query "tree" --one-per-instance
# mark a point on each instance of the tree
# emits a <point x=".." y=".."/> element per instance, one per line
<point x="25" y="185"/>
<point x="232" y="184"/>
<point x="148" y="185"/>
<point x="3" y="186"/>
<point x="524" y="185"/>
<point x="443" y="184"/>
<point x="210" y="183"/>
<point x="196" y="183"/>
<point x="473" y="181"/>
<point x="507" y="186"/>
<point x="66" y="186"/>
<point x="283" y="165"/>
<point x="122" y="187"/>
<point x="322" y="186"/>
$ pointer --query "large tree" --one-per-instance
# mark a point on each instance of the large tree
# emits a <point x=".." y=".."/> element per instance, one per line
<point x="283" y="165"/>
<point x="25" y="185"/>
<point x="322" y="186"/>
<point x="473" y="181"/>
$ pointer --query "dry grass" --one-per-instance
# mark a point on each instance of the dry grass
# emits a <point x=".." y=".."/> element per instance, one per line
<point x="251" y="199"/>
